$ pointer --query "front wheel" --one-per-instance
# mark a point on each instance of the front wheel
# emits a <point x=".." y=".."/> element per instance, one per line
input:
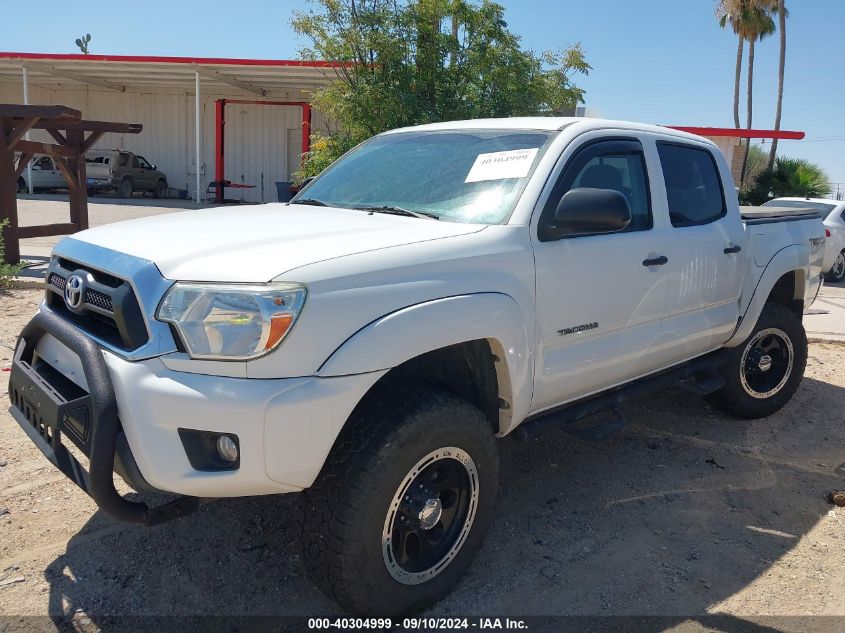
<point x="403" y="503"/>
<point x="160" y="189"/>
<point x="765" y="370"/>
<point x="837" y="271"/>
<point x="126" y="188"/>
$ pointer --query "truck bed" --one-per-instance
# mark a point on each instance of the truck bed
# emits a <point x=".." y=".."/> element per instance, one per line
<point x="767" y="215"/>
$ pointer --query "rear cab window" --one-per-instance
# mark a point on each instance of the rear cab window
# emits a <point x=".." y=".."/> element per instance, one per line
<point x="694" y="189"/>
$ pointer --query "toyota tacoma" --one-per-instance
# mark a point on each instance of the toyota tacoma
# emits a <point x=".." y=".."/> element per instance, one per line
<point x="436" y="288"/>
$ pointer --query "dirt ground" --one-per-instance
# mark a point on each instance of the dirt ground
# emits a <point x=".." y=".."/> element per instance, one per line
<point x="683" y="513"/>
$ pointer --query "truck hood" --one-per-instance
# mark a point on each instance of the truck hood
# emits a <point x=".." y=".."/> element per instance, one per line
<point x="258" y="243"/>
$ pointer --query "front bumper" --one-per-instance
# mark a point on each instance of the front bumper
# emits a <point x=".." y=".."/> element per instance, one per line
<point x="286" y="427"/>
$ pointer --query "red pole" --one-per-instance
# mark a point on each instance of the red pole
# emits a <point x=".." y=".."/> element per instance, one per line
<point x="306" y="128"/>
<point x="219" y="149"/>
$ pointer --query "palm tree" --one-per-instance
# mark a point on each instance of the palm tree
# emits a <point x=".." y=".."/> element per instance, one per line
<point x="780" y="9"/>
<point x="751" y="21"/>
<point x="794" y="177"/>
<point x="730" y="13"/>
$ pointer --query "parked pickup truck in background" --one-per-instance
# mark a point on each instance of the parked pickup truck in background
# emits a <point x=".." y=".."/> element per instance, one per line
<point x="123" y="172"/>
<point x="45" y="175"/>
<point x="833" y="214"/>
<point x="434" y="289"/>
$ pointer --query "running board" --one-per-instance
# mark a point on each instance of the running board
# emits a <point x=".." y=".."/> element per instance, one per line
<point x="700" y="376"/>
<point x="706" y="381"/>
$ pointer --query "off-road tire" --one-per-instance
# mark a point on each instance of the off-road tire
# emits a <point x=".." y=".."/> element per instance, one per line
<point x="126" y="188"/>
<point x="734" y="398"/>
<point x="342" y="516"/>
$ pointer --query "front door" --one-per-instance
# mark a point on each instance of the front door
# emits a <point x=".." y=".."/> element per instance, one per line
<point x="143" y="173"/>
<point x="600" y="298"/>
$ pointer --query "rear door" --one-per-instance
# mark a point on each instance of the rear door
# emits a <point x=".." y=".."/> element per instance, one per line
<point x="708" y="247"/>
<point x="599" y="303"/>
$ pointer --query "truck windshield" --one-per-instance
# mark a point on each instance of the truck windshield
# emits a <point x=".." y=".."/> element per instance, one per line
<point x="472" y="176"/>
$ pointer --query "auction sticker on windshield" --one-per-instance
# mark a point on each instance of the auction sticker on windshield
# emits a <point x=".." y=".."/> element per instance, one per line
<point x="514" y="163"/>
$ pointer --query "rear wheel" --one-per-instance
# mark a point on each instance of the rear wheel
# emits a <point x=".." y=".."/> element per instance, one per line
<point x="126" y="188"/>
<point x="837" y="271"/>
<point x="766" y="369"/>
<point x="403" y="503"/>
<point x="22" y="188"/>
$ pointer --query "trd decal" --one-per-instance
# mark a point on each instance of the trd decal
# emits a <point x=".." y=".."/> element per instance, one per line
<point x="578" y="328"/>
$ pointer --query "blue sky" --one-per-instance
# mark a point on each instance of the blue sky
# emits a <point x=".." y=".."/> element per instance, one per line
<point x="659" y="61"/>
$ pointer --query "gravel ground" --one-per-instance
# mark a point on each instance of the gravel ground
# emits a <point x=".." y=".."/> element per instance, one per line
<point x="683" y="513"/>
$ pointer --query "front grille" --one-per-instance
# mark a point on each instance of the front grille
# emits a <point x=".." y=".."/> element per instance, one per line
<point x="56" y="280"/>
<point x="110" y="311"/>
<point x="99" y="300"/>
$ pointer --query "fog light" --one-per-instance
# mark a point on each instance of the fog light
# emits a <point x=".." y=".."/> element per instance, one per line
<point x="227" y="449"/>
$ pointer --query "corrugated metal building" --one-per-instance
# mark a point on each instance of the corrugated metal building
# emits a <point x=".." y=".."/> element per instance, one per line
<point x="254" y="115"/>
<point x="260" y="143"/>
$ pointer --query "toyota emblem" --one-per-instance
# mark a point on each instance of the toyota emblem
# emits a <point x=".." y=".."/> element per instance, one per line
<point x="74" y="287"/>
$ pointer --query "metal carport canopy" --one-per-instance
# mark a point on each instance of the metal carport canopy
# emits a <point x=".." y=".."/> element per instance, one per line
<point x="262" y="78"/>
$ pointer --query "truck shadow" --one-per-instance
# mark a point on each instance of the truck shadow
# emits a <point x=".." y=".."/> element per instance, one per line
<point x="680" y="511"/>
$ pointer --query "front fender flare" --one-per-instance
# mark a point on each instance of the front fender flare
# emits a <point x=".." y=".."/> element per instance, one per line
<point x="412" y="331"/>
<point x="788" y="260"/>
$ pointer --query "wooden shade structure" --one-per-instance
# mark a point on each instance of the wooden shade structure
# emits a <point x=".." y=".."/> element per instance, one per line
<point x="74" y="136"/>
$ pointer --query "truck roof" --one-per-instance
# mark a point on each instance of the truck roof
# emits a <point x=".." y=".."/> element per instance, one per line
<point x="549" y="124"/>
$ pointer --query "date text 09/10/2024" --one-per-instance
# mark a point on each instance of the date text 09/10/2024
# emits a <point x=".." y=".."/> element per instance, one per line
<point x="417" y="624"/>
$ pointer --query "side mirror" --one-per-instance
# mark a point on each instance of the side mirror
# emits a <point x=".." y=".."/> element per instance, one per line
<point x="585" y="210"/>
<point x="153" y="167"/>
<point x="305" y="182"/>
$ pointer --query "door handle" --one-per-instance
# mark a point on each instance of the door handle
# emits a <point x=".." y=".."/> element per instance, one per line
<point x="657" y="261"/>
<point x="733" y="248"/>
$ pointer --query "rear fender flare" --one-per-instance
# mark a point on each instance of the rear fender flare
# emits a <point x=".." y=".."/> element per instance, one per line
<point x="412" y="331"/>
<point x="793" y="259"/>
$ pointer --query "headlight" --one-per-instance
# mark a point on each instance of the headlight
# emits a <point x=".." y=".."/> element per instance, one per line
<point x="231" y="322"/>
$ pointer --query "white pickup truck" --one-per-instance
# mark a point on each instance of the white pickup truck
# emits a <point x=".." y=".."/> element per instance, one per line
<point x="434" y="289"/>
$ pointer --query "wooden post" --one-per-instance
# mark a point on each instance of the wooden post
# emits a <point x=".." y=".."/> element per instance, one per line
<point x="78" y="191"/>
<point x="8" y="195"/>
<point x="68" y="153"/>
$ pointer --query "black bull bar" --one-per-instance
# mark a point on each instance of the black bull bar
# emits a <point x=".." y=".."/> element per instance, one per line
<point x="47" y="406"/>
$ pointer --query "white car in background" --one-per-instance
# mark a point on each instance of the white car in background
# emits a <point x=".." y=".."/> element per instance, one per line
<point x="833" y="214"/>
<point x="45" y="175"/>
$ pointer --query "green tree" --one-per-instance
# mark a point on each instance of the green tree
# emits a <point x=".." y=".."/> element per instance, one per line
<point x="790" y="177"/>
<point x="757" y="164"/>
<point x="405" y="62"/>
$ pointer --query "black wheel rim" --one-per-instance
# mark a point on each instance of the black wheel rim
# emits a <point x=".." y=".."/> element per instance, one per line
<point x="430" y="515"/>
<point x="767" y="363"/>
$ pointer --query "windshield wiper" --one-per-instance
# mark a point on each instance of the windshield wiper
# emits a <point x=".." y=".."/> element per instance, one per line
<point x="312" y="201"/>
<point x="398" y="211"/>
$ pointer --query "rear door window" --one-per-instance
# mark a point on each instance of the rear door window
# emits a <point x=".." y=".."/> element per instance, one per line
<point x="693" y="185"/>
